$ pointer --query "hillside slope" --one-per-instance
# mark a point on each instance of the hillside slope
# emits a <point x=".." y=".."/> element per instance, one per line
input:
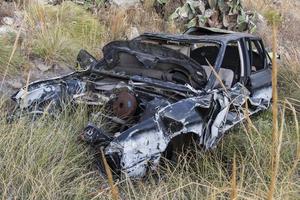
<point x="43" y="159"/>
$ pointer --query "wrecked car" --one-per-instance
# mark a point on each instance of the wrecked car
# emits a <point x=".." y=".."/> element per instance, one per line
<point x="148" y="92"/>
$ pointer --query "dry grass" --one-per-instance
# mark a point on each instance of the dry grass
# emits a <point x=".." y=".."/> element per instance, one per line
<point x="43" y="160"/>
<point x="11" y="59"/>
<point x="114" y="189"/>
<point x="234" y="191"/>
<point x="118" y="21"/>
<point x="275" y="138"/>
<point x="117" y="24"/>
<point x="48" y="161"/>
<point x="57" y="33"/>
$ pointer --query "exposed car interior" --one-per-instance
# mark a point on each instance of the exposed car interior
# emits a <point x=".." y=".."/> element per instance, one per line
<point x="230" y="69"/>
<point x="257" y="60"/>
<point x="206" y="53"/>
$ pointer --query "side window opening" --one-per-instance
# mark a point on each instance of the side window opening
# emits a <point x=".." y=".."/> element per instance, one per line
<point x="230" y="71"/>
<point x="256" y="56"/>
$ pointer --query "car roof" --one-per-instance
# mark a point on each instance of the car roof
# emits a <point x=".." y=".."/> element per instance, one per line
<point x="199" y="34"/>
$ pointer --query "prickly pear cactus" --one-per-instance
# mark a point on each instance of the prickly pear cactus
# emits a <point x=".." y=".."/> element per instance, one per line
<point x="226" y="14"/>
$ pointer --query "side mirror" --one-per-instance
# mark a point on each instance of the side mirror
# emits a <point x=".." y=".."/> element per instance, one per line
<point x="85" y="60"/>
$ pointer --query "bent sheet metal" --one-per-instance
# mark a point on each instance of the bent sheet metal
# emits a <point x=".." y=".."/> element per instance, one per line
<point x="147" y="91"/>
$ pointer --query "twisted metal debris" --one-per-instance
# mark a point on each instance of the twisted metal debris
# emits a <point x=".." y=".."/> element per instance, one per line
<point x="156" y="88"/>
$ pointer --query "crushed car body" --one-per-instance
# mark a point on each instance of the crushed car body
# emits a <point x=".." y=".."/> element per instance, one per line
<point x="148" y="91"/>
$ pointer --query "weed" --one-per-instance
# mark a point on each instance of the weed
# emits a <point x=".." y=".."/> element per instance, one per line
<point x="11" y="60"/>
<point x="44" y="160"/>
<point x="57" y="33"/>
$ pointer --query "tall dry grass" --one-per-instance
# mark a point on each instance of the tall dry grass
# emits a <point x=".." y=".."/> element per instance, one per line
<point x="57" y="33"/>
<point x="44" y="160"/>
<point x="119" y="21"/>
<point x="11" y="58"/>
<point x="12" y="54"/>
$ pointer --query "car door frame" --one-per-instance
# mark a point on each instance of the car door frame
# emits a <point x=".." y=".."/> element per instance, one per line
<point x="243" y="76"/>
<point x="259" y="79"/>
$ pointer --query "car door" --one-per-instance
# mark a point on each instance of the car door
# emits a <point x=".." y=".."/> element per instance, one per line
<point x="257" y="81"/>
<point x="259" y="66"/>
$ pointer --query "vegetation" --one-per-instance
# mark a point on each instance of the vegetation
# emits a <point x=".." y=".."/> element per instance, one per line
<point x="57" y="33"/>
<point x="10" y="63"/>
<point x="44" y="160"/>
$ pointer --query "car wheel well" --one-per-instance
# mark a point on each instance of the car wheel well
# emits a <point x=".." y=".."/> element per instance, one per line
<point x="180" y="143"/>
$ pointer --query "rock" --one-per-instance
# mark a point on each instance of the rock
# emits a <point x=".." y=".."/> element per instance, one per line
<point x="8" y="32"/>
<point x="261" y="19"/>
<point x="6" y="9"/>
<point x="125" y="3"/>
<point x="55" y="2"/>
<point x="8" y="21"/>
<point x="132" y="32"/>
<point x="42" y="2"/>
<point x="41" y="65"/>
<point x="19" y="18"/>
<point x="80" y="2"/>
<point x="36" y="74"/>
<point x="15" y="84"/>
